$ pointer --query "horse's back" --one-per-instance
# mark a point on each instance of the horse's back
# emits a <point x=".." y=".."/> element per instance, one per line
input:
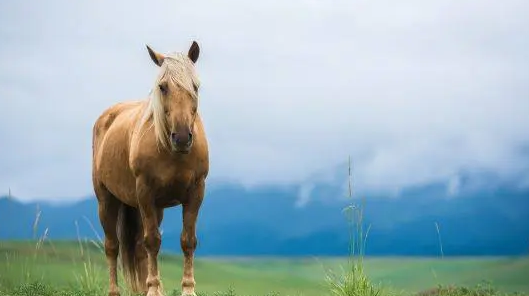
<point x="110" y="148"/>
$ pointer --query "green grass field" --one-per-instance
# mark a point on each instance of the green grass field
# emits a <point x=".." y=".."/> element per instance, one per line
<point x="71" y="266"/>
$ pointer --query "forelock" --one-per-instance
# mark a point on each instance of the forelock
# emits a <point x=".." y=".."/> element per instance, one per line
<point x="179" y="68"/>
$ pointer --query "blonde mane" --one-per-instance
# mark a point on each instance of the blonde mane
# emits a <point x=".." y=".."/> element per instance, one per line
<point x="179" y="70"/>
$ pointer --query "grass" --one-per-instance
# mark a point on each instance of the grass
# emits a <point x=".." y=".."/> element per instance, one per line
<point x="353" y="281"/>
<point x="42" y="267"/>
<point x="61" y="268"/>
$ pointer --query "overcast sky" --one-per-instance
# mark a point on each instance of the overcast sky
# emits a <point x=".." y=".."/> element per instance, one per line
<point x="414" y="90"/>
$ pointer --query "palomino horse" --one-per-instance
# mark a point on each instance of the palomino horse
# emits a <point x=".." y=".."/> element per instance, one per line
<point x="147" y="156"/>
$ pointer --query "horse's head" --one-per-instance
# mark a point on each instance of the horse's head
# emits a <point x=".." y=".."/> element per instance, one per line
<point x="175" y="98"/>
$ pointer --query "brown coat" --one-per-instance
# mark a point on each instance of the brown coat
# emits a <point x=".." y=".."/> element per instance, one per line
<point x="147" y="156"/>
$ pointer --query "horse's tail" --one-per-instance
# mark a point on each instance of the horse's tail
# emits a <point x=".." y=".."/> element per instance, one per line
<point x="133" y="255"/>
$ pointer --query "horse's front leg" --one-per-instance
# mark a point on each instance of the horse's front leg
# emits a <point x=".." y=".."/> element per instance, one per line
<point x="188" y="238"/>
<point x="151" y="218"/>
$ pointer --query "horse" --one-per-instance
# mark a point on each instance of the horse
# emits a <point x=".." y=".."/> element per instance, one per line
<point x="149" y="155"/>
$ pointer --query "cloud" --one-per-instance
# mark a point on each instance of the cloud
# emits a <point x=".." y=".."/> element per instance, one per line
<point x="415" y="91"/>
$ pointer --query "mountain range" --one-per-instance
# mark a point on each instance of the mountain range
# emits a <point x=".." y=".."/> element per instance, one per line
<point x="274" y="220"/>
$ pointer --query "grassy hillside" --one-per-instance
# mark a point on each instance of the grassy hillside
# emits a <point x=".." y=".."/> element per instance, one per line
<point x="81" y="267"/>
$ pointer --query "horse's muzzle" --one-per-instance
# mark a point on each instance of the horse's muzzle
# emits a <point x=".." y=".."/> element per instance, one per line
<point x="182" y="140"/>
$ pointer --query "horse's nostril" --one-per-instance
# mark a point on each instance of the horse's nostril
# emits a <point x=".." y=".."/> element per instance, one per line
<point x="178" y="139"/>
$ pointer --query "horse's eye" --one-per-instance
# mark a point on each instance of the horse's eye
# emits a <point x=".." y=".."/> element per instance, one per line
<point x="195" y="87"/>
<point x="163" y="87"/>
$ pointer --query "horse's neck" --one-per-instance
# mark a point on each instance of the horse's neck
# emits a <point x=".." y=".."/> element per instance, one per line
<point x="140" y="125"/>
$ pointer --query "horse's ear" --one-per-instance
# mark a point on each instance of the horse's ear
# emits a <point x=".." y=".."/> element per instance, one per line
<point x="194" y="51"/>
<point x="156" y="57"/>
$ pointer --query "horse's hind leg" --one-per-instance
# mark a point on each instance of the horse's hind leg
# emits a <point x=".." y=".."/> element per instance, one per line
<point x="108" y="215"/>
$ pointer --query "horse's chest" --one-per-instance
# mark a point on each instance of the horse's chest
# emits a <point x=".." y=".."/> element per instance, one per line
<point x="175" y="190"/>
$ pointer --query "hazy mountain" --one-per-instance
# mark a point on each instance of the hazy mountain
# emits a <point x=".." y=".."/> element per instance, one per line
<point x="270" y="221"/>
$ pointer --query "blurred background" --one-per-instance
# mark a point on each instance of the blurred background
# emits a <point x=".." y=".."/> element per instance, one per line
<point x="428" y="98"/>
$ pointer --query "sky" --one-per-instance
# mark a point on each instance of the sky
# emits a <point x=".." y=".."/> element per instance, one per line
<point x="415" y="91"/>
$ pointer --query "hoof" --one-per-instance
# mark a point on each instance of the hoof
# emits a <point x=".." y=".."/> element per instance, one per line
<point x="154" y="292"/>
<point x="188" y="292"/>
<point x="114" y="293"/>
